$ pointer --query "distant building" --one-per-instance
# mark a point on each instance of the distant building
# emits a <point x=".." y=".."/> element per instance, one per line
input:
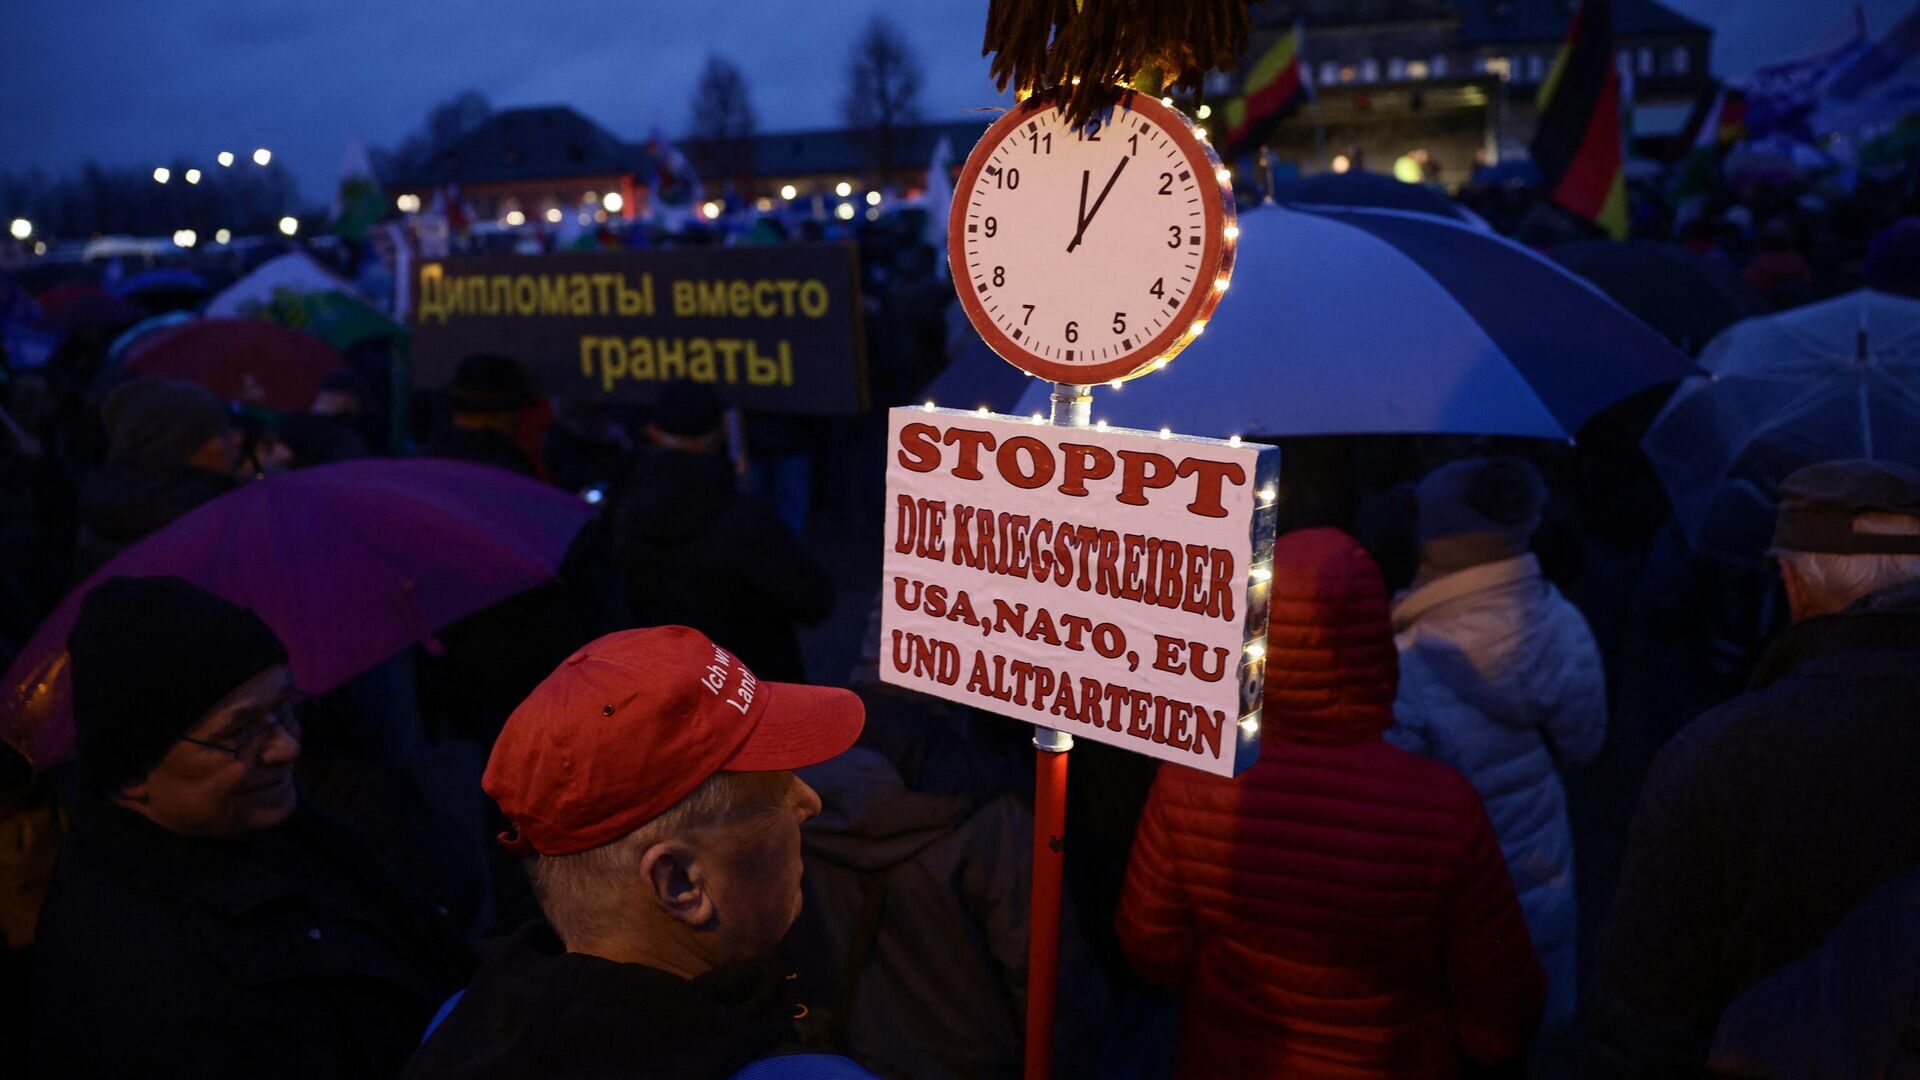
<point x="1457" y="79"/>
<point x="550" y="160"/>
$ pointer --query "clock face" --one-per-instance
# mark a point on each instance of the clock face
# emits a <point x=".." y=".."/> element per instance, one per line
<point x="1088" y="256"/>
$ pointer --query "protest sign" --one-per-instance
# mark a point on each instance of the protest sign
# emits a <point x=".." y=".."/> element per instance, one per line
<point x="771" y="328"/>
<point x="1111" y="584"/>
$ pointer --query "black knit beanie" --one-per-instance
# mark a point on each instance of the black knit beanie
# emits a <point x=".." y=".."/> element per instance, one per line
<point x="151" y="656"/>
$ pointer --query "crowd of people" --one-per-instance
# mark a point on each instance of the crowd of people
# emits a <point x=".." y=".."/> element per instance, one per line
<point x="1526" y="804"/>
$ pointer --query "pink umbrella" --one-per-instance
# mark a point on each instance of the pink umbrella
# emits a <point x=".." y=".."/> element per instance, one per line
<point x="244" y="360"/>
<point x="348" y="563"/>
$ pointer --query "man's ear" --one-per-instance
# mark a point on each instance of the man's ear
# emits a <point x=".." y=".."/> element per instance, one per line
<point x="678" y="883"/>
<point x="1797" y="600"/>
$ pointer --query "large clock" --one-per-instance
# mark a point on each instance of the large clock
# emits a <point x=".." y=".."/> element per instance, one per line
<point x="1096" y="254"/>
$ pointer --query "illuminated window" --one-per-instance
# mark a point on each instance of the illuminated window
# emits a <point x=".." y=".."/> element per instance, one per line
<point x="1329" y="73"/>
<point x="1348" y="74"/>
<point x="1536" y="67"/>
<point x="1498" y="66"/>
<point x="1646" y="60"/>
<point x="1416" y="69"/>
<point x="1369" y="70"/>
<point x="1680" y="60"/>
<point x="1396" y="69"/>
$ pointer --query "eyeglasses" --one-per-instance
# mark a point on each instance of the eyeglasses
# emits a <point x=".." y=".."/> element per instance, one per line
<point x="248" y="741"/>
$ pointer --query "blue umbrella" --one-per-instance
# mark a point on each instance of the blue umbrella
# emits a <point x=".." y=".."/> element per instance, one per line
<point x="167" y="279"/>
<point x="1369" y="189"/>
<point x="1357" y="322"/>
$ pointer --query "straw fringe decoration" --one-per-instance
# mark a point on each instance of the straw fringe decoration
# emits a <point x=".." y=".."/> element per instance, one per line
<point x="1038" y="44"/>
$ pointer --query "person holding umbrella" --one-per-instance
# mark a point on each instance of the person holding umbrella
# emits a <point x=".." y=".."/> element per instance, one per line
<point x="202" y="920"/>
<point x="171" y="447"/>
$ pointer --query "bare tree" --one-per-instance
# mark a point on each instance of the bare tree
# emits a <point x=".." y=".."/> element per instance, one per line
<point x="445" y="124"/>
<point x="723" y="120"/>
<point x="883" y="90"/>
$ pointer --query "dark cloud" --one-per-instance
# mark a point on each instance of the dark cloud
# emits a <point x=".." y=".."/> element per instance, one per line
<point x="139" y="81"/>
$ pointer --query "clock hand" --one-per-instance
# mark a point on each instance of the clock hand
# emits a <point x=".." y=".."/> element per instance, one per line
<point x="1080" y="215"/>
<point x="1097" y="203"/>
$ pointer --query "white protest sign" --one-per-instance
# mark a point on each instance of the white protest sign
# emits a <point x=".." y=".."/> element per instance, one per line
<point x="1107" y="583"/>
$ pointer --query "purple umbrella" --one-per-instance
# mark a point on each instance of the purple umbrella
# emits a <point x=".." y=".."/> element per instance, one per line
<point x="348" y="563"/>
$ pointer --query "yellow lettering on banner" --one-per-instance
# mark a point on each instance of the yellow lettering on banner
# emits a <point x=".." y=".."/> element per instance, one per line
<point x="526" y="295"/>
<point x="700" y="360"/>
<point x="613" y="362"/>
<point x="636" y="301"/>
<point x="761" y="370"/>
<point x="602" y="290"/>
<point x="740" y="298"/>
<point x="671" y="354"/>
<point x="786" y="362"/>
<point x="580" y="293"/>
<point x="640" y="351"/>
<point x="684" y="303"/>
<point x="813" y="298"/>
<point x="763" y="304"/>
<point x="553" y="295"/>
<point x="729" y="350"/>
<point x="788" y="287"/>
<point x="589" y="348"/>
<point x="713" y="297"/>
<point x="499" y="295"/>
<point x="433" y="281"/>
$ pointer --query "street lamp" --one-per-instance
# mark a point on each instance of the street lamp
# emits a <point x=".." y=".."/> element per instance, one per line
<point x="161" y="175"/>
<point x="843" y="189"/>
<point x="184" y="238"/>
<point x="221" y="236"/>
<point x="21" y="228"/>
<point x="873" y="198"/>
<point x="554" y="215"/>
<point x="262" y="156"/>
<point x="226" y="159"/>
<point x="288" y="225"/>
<point x="408" y="203"/>
<point x="613" y="202"/>
<point x="193" y="176"/>
<point x="788" y="191"/>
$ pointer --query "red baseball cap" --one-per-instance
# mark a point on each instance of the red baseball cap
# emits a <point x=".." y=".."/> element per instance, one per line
<point x="631" y="724"/>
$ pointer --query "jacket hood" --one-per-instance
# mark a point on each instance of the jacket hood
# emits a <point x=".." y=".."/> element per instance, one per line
<point x="675" y="495"/>
<point x="1331" y="666"/>
<point x="535" y="1009"/>
<point x="1485" y="632"/>
<point x="869" y="819"/>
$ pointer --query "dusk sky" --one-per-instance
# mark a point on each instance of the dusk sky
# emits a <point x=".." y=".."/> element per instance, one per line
<point x="139" y="82"/>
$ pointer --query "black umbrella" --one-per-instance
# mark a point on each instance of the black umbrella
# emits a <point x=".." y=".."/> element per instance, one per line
<point x="1369" y="189"/>
<point x="1687" y="297"/>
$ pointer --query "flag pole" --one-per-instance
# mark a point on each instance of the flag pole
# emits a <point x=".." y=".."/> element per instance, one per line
<point x="1072" y="406"/>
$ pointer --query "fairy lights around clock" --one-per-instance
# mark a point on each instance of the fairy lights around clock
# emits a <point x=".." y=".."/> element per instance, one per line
<point x="1091" y="255"/>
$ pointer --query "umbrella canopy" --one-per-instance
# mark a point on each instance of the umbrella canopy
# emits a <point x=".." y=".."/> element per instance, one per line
<point x="165" y="279"/>
<point x="348" y="563"/>
<point x="1685" y="296"/>
<point x="1363" y="322"/>
<point x="85" y="306"/>
<point x="244" y="360"/>
<point x="1837" y="379"/>
<point x="340" y="319"/>
<point x="1367" y="189"/>
<point x="294" y="272"/>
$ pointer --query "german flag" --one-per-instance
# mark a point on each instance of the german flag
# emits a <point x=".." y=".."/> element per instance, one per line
<point x="1275" y="86"/>
<point x="1578" y="143"/>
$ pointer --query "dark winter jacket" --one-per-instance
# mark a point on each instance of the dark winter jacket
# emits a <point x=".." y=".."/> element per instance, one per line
<point x="481" y="448"/>
<point x="1341" y="909"/>
<point x="1849" y="1009"/>
<point x="283" y="953"/>
<point x="536" y="1010"/>
<point x="694" y="551"/>
<point x="914" y="929"/>
<point x="129" y="500"/>
<point x="1760" y="826"/>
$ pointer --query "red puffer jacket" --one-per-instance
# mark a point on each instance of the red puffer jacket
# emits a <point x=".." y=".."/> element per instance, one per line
<point x="1341" y="909"/>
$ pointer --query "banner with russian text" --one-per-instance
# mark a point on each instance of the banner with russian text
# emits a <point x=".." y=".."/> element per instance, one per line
<point x="1108" y="583"/>
<point x="775" y="329"/>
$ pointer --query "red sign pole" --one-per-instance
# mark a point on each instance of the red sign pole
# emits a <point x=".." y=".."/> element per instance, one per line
<point x="1072" y="406"/>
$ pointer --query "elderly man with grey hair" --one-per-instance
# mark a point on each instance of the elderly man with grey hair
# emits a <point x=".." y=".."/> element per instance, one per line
<point x="649" y="784"/>
<point x="1770" y="817"/>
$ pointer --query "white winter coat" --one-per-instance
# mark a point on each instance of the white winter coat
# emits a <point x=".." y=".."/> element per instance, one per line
<point x="1500" y="678"/>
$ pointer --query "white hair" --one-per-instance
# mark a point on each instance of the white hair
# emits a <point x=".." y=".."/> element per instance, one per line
<point x="587" y="895"/>
<point x="1832" y="581"/>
